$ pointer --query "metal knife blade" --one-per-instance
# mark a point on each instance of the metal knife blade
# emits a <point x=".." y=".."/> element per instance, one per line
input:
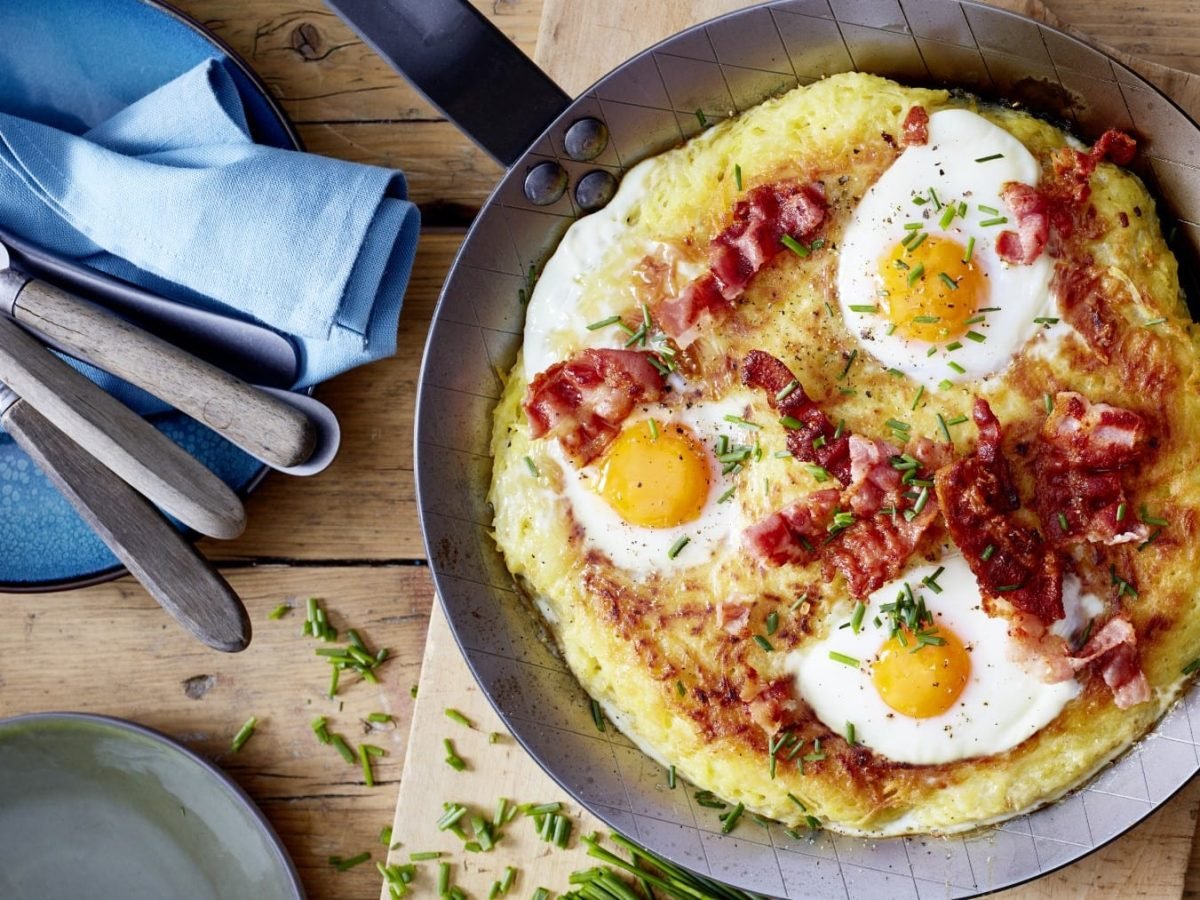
<point x="119" y="438"/>
<point x="261" y="424"/>
<point x="156" y="554"/>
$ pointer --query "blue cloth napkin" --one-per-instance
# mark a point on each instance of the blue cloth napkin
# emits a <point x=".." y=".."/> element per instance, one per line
<point x="172" y="194"/>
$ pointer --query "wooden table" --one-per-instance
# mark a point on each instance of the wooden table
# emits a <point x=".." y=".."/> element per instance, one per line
<point x="349" y="536"/>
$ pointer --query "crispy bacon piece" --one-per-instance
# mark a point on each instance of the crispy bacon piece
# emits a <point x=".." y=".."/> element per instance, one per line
<point x="734" y="617"/>
<point x="1114" y="649"/>
<point x="1080" y="291"/>
<point x="1082" y="448"/>
<point x="1031" y="211"/>
<point x="763" y="371"/>
<point x="792" y="534"/>
<point x="773" y="705"/>
<point x="873" y="551"/>
<point x="760" y="221"/>
<point x="916" y="127"/>
<point x="977" y="495"/>
<point x="584" y="399"/>
<point x="872" y="475"/>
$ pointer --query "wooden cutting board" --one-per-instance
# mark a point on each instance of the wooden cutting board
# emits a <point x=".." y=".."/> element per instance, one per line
<point x="578" y="42"/>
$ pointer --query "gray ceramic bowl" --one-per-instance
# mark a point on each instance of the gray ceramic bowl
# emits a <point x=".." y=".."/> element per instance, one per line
<point x="92" y="806"/>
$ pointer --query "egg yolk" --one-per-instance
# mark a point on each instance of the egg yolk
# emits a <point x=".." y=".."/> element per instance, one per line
<point x="929" y="292"/>
<point x="921" y="682"/>
<point x="656" y="478"/>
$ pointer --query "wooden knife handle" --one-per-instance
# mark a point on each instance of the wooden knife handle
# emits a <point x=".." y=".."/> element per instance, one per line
<point x="153" y="550"/>
<point x="262" y="425"/>
<point x="122" y="440"/>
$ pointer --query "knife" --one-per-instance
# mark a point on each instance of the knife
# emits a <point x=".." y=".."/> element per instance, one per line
<point x="157" y="555"/>
<point x="122" y="440"/>
<point x="262" y="425"/>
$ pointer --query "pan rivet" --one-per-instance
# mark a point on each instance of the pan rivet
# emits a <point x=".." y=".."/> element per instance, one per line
<point x="595" y="189"/>
<point x="586" y="139"/>
<point x="545" y="183"/>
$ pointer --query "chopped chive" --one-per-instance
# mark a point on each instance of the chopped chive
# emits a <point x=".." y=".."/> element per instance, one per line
<point x="737" y="176"/>
<point x="987" y="552"/>
<point x="597" y="715"/>
<point x="897" y="425"/>
<point x="791" y="422"/>
<point x="908" y="238"/>
<point x="745" y="423"/>
<point x="1150" y="540"/>
<point x="763" y="642"/>
<point x="864" y="308"/>
<point x="368" y="772"/>
<point x="730" y="819"/>
<point x="787" y="391"/>
<point x="443" y="882"/>
<point x="956" y="367"/>
<point x="849" y="363"/>
<point x="962" y="207"/>
<point x="794" y="245"/>
<point x="1048" y="402"/>
<point x="841" y="426"/>
<point x="603" y="323"/>
<point x="280" y="611"/>
<point x="532" y="467"/>
<point x="943" y="427"/>
<point x="1046" y="320"/>
<point x="424" y="855"/>
<point x="455" y="716"/>
<point x="927" y="320"/>
<point x="857" y="616"/>
<point x="922" y="500"/>
<point x="850" y="734"/>
<point x="817" y="244"/>
<point x="919" y="200"/>
<point x="976" y="337"/>
<point x="983" y="159"/>
<point x="818" y="472"/>
<point x="995" y="220"/>
<point x="1144" y="515"/>
<point x="917" y="399"/>
<point x="915" y="273"/>
<point x="678" y="546"/>
<point x="948" y="281"/>
<point x="975" y="320"/>
<point x="1009" y="588"/>
<point x="945" y="384"/>
<point x="966" y="257"/>
<point x="1121" y="511"/>
<point x="957" y="420"/>
<point x="954" y="345"/>
<point x="244" y="733"/>
<point x="899" y="264"/>
<point x="340" y="745"/>
<point x="1154" y="322"/>
<point x="321" y="730"/>
<point x="728" y="494"/>
<point x="772" y="623"/>
<point x="671" y="777"/>
<point x="918" y="242"/>
<point x="990" y="210"/>
<point x="948" y="215"/>
<point x="453" y="760"/>
<point x="1192" y="666"/>
<point x="912" y="226"/>
<point x="1063" y="523"/>
<point x="344" y="865"/>
<point x="653" y="430"/>
<point x="937" y="204"/>
<point x="843" y="659"/>
<point x="701" y="118"/>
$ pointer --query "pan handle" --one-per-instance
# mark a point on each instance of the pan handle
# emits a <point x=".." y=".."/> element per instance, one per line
<point x="464" y="66"/>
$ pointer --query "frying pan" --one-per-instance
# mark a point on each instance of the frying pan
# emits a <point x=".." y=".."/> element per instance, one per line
<point x="645" y="106"/>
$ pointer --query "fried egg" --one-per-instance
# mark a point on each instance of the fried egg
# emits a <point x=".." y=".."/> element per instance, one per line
<point x="918" y="277"/>
<point x="944" y="691"/>
<point x="655" y="500"/>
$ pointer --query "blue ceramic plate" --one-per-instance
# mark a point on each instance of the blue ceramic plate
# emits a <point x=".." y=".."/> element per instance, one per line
<point x="72" y="64"/>
<point x="98" y="807"/>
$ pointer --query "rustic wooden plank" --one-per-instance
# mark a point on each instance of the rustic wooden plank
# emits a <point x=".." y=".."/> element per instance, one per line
<point x="111" y="650"/>
<point x="1164" y="31"/>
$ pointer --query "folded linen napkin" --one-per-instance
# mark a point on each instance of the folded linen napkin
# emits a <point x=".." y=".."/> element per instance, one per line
<point x="172" y="194"/>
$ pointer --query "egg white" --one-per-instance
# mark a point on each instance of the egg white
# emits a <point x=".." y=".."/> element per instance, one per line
<point x="948" y="163"/>
<point x="1001" y="705"/>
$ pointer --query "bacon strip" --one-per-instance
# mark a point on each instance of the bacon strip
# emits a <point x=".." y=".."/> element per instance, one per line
<point x="584" y="399"/>
<point x="978" y="496"/>
<point x="1032" y="214"/>
<point x="760" y="220"/>
<point x="873" y="551"/>
<point x="916" y="127"/>
<point x="792" y="534"/>
<point x="1084" y="304"/>
<point x="1082" y="447"/>
<point x="1114" y="647"/>
<point x="763" y="371"/>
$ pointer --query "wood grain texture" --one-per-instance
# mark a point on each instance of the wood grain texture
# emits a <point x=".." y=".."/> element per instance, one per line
<point x="118" y="437"/>
<point x="265" y="427"/>
<point x="155" y="552"/>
